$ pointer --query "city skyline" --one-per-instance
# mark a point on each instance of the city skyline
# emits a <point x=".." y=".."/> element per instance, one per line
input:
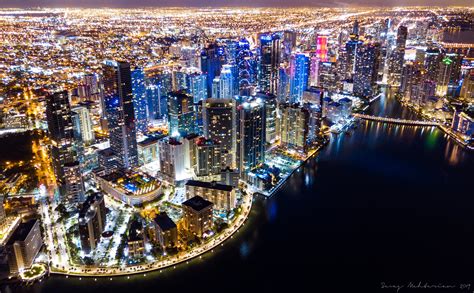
<point x="221" y="3"/>
<point x="143" y="147"/>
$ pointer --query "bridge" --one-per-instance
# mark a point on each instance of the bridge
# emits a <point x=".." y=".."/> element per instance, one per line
<point x="396" y="120"/>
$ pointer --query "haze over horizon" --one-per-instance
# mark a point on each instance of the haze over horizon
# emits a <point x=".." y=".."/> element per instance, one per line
<point x="224" y="3"/>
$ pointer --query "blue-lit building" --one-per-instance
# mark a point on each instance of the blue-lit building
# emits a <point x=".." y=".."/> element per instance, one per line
<point x="299" y="73"/>
<point x="197" y="86"/>
<point x="212" y="58"/>
<point x="158" y="85"/>
<point x="269" y="63"/>
<point x="252" y="135"/>
<point x="246" y="68"/>
<point x="120" y="114"/>
<point x="181" y="116"/>
<point x="140" y="102"/>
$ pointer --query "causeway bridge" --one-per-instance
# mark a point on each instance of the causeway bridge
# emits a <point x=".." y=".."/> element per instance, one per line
<point x="395" y="120"/>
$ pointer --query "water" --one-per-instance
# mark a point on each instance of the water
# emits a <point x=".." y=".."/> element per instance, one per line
<point x="384" y="204"/>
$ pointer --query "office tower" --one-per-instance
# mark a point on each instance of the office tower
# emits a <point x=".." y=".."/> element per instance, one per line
<point x="198" y="87"/>
<point x="159" y="83"/>
<point x="120" y="114"/>
<point x="73" y="182"/>
<point x="449" y="74"/>
<point x="85" y="124"/>
<point x="92" y="216"/>
<point x="322" y="48"/>
<point x="220" y="124"/>
<point x="433" y="57"/>
<point x="226" y="82"/>
<point x="61" y="133"/>
<point x="412" y="75"/>
<point x="327" y="78"/>
<point x="222" y="196"/>
<point x="397" y="57"/>
<point x="288" y="45"/>
<point x="269" y="64"/>
<point x="272" y="120"/>
<point x="180" y="114"/>
<point x="294" y="126"/>
<point x="467" y="88"/>
<point x="299" y="73"/>
<point x="365" y="77"/>
<point x="315" y="121"/>
<point x="350" y="56"/>
<point x="23" y="246"/>
<point x="198" y="216"/>
<point x="140" y="102"/>
<point x="216" y="88"/>
<point x="208" y="157"/>
<point x="251" y="148"/>
<point x="165" y="231"/>
<point x="172" y="159"/>
<point x="212" y="59"/>
<point x="245" y="65"/>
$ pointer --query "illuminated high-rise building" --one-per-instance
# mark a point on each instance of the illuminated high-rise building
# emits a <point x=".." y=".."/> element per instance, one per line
<point x="245" y="66"/>
<point x="212" y="59"/>
<point x="449" y="74"/>
<point x="198" y="87"/>
<point x="467" y="88"/>
<point x="366" y="69"/>
<point x="350" y="56"/>
<point x="91" y="221"/>
<point x="140" y="102"/>
<point x="61" y="133"/>
<point x="73" y="181"/>
<point x="120" y="113"/>
<point x="85" y="124"/>
<point x="294" y="126"/>
<point x="433" y="57"/>
<point x="251" y="144"/>
<point x="299" y="74"/>
<point x="397" y="57"/>
<point x="181" y="116"/>
<point x="269" y="63"/>
<point x="322" y="48"/>
<point x="220" y="124"/>
<point x="272" y="123"/>
<point x="208" y="157"/>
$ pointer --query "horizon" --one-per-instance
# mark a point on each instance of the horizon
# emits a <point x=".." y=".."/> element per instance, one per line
<point x="126" y="4"/>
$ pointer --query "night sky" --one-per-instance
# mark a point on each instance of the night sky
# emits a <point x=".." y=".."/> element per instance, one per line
<point x="204" y="3"/>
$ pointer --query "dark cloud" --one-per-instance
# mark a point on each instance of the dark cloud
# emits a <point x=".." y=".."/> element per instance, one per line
<point x="205" y="3"/>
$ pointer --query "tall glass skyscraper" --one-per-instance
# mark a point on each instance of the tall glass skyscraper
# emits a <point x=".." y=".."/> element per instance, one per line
<point x="299" y="73"/>
<point x="120" y="113"/>
<point x="269" y="62"/>
<point x="180" y="114"/>
<point x="366" y="69"/>
<point x="139" y="99"/>
<point x="251" y="144"/>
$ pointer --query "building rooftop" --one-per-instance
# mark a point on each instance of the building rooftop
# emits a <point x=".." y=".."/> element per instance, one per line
<point x="210" y="185"/>
<point x="197" y="203"/>
<point x="22" y="231"/>
<point x="164" y="222"/>
<point x="149" y="141"/>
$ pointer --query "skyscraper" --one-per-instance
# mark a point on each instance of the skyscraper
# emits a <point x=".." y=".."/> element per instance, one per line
<point x="61" y="133"/>
<point x="397" y="57"/>
<point x="120" y="113"/>
<point x="198" y="86"/>
<point x="139" y="99"/>
<point x="212" y="58"/>
<point x="294" y="126"/>
<point x="91" y="221"/>
<point x="365" y="76"/>
<point x="208" y="157"/>
<point x="219" y="123"/>
<point x="252" y="135"/>
<point x="180" y="114"/>
<point x="85" y="123"/>
<point x="299" y="74"/>
<point x="270" y="51"/>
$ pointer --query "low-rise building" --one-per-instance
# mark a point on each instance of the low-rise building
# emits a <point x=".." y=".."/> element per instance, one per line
<point x="166" y="232"/>
<point x="222" y="196"/>
<point x="198" y="216"/>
